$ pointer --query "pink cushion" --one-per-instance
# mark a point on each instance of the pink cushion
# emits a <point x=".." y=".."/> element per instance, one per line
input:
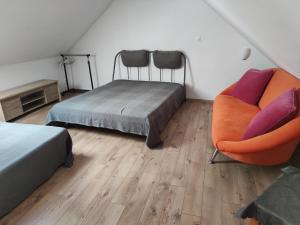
<point x="252" y="85"/>
<point x="277" y="113"/>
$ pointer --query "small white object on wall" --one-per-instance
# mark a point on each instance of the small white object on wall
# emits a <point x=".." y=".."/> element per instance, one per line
<point x="198" y="38"/>
<point x="246" y="53"/>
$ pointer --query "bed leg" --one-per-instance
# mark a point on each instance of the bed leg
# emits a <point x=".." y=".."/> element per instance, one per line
<point x="211" y="160"/>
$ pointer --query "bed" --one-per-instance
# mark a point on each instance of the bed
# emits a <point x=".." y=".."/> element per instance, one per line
<point x="29" y="155"/>
<point x="131" y="106"/>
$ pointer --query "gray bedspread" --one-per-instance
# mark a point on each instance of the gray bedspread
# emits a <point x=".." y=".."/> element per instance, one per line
<point x="29" y="155"/>
<point x="137" y="107"/>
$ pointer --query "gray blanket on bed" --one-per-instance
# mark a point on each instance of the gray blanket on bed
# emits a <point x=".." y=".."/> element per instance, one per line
<point x="138" y="107"/>
<point x="29" y="155"/>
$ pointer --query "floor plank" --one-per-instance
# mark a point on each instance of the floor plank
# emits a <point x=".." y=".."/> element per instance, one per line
<point x="116" y="179"/>
<point x="190" y="220"/>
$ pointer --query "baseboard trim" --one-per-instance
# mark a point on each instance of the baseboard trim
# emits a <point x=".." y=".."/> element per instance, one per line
<point x="200" y="100"/>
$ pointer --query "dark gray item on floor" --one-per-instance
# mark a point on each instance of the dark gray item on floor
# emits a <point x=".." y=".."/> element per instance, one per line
<point x="280" y="203"/>
<point x="29" y="155"/>
<point x="137" y="107"/>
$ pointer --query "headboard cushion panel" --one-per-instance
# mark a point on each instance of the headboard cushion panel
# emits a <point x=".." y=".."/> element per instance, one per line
<point x="167" y="59"/>
<point x="136" y="58"/>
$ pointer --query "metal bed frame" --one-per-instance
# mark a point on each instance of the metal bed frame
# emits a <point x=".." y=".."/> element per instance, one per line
<point x="149" y="78"/>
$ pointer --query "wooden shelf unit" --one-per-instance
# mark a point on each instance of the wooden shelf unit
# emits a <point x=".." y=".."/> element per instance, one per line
<point x="17" y="101"/>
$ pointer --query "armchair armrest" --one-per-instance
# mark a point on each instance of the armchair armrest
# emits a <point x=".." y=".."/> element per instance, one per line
<point x="287" y="133"/>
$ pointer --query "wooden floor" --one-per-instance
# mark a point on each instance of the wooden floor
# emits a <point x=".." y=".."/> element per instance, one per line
<point x="116" y="179"/>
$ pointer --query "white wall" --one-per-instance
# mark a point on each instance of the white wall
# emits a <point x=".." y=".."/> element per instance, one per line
<point x="272" y="25"/>
<point x="18" y="74"/>
<point x="215" y="61"/>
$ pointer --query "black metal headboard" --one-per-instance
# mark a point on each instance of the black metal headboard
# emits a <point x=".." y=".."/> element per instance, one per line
<point x="171" y="60"/>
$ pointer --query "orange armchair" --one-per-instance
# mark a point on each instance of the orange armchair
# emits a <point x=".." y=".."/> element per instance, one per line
<point x="231" y="117"/>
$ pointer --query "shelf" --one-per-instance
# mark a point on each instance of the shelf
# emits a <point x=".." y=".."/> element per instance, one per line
<point x="32" y="97"/>
<point x="23" y="99"/>
<point x="36" y="107"/>
<point x="33" y="100"/>
<point x="33" y="105"/>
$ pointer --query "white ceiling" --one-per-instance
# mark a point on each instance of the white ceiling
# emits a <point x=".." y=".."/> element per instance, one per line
<point x="35" y="29"/>
<point x="271" y="25"/>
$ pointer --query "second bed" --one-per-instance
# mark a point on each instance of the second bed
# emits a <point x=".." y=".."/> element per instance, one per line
<point x="137" y="107"/>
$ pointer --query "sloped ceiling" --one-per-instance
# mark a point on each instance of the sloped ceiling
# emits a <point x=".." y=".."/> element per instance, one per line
<point x="35" y="29"/>
<point x="271" y="25"/>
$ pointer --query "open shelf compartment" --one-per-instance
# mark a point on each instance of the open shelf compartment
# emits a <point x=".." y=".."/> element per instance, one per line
<point x="33" y="100"/>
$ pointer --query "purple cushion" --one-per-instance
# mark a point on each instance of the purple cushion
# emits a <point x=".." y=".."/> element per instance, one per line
<point x="277" y="113"/>
<point x="252" y="85"/>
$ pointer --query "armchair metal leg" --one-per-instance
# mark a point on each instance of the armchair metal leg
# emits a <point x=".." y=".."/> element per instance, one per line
<point x="211" y="160"/>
